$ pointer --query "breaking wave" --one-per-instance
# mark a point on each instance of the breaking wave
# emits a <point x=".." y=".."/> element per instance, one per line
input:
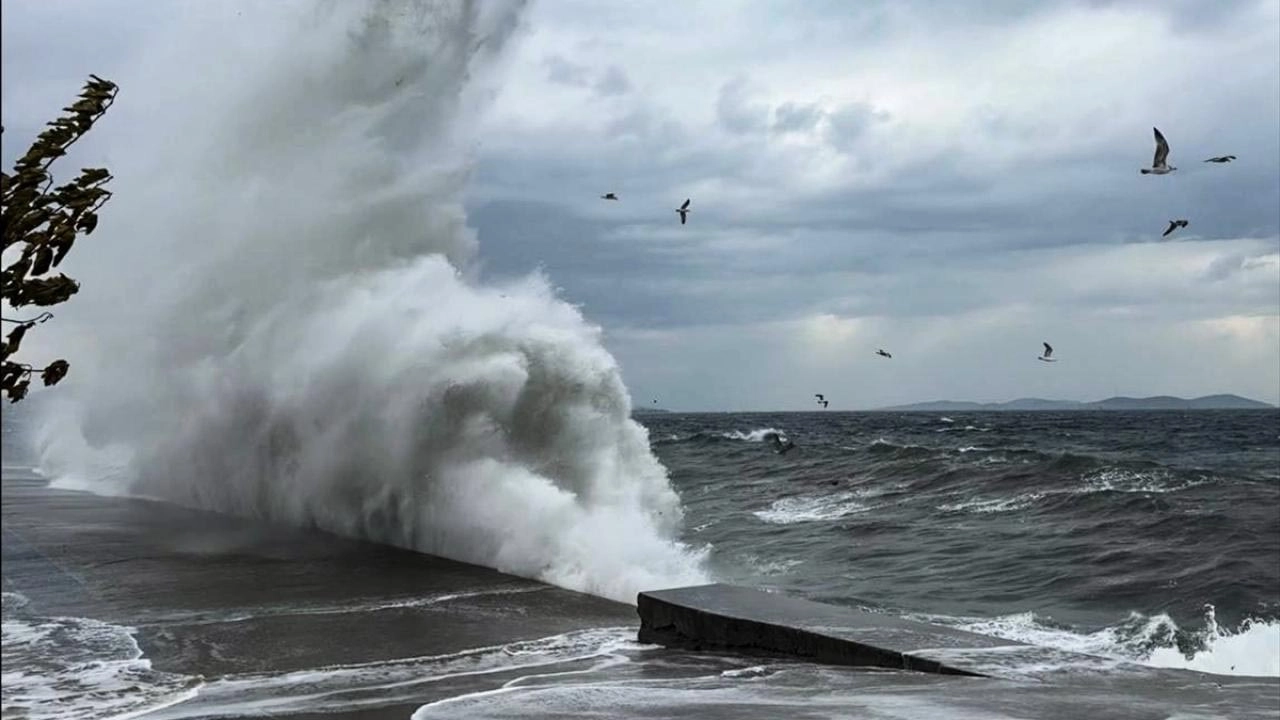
<point x="810" y="508"/>
<point x="316" y="347"/>
<point x="707" y="436"/>
<point x="1154" y="640"/>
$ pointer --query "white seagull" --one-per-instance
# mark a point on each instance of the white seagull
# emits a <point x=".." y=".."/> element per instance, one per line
<point x="1160" y="165"/>
<point x="684" y="211"/>
<point x="1048" y="354"/>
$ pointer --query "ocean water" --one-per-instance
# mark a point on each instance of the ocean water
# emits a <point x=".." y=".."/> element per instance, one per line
<point x="1144" y="538"/>
<point x="1149" y="536"/>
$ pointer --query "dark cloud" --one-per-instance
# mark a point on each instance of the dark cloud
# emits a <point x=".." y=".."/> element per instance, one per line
<point x="949" y="175"/>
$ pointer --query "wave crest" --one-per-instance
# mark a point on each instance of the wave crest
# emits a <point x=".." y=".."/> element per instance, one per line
<point x="1154" y="640"/>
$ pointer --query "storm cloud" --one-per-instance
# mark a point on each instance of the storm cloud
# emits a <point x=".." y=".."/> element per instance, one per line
<point x="955" y="183"/>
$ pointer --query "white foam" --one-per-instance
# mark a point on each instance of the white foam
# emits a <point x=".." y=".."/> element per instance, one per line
<point x="349" y="688"/>
<point x="749" y="692"/>
<point x="994" y="505"/>
<point x="1254" y="650"/>
<point x="754" y="671"/>
<point x="315" y="347"/>
<point x="240" y="614"/>
<point x="1156" y="481"/>
<point x="71" y="668"/>
<point x="757" y="435"/>
<point x="765" y="567"/>
<point x="811" y="508"/>
<point x="1105" y="480"/>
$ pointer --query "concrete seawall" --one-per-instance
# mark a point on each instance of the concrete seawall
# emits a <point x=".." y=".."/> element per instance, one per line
<point x="727" y="617"/>
<point x="219" y="598"/>
<point x="736" y="619"/>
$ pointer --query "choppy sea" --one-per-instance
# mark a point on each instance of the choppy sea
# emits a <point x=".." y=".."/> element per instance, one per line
<point x="1152" y="536"/>
<point x="1148" y="538"/>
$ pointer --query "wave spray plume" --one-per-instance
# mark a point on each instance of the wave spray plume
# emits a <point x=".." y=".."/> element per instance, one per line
<point x="319" y="350"/>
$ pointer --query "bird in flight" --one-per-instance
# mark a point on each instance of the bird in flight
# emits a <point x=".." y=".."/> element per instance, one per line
<point x="1174" y="225"/>
<point x="882" y="353"/>
<point x="1160" y="163"/>
<point x="819" y="396"/>
<point x="1048" y="354"/>
<point x="609" y="196"/>
<point x="1221" y="159"/>
<point x="684" y="211"/>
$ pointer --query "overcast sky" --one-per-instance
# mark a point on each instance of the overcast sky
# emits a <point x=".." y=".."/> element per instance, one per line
<point x="955" y="183"/>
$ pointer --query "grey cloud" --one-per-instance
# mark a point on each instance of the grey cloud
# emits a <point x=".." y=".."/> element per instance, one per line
<point x="737" y="112"/>
<point x="1224" y="267"/>
<point x="847" y="125"/>
<point x="564" y="72"/>
<point x="613" y="82"/>
<point x="951" y="232"/>
<point x="1183" y="15"/>
<point x="942" y="209"/>
<point x="794" y="117"/>
<point x="1228" y="265"/>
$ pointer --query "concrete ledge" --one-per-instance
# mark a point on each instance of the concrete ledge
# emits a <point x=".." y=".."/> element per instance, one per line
<point x="736" y="618"/>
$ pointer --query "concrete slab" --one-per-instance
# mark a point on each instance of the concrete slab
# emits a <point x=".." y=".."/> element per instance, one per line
<point x="720" y="616"/>
<point x="213" y="596"/>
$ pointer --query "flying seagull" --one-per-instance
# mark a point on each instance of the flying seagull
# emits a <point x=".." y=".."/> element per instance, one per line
<point x="1221" y="159"/>
<point x="819" y="396"/>
<point x="824" y="403"/>
<point x="1159" y="165"/>
<point x="780" y="444"/>
<point x="882" y="353"/>
<point x="684" y="211"/>
<point x="609" y="196"/>
<point x="1174" y="225"/>
<point x="1048" y="354"/>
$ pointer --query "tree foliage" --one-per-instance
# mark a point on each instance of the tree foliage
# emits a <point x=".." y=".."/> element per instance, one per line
<point x="45" y="224"/>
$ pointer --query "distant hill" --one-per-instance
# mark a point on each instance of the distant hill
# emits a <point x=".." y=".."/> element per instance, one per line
<point x="1158" y="402"/>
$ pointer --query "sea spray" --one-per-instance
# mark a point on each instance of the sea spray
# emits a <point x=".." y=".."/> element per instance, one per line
<point x="1154" y="640"/>
<point x="310" y="344"/>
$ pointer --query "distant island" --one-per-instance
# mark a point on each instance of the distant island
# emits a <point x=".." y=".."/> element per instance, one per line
<point x="1158" y="402"/>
